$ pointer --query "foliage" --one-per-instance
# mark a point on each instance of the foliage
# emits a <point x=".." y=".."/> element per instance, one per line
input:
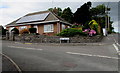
<point x="32" y="30"/>
<point x="82" y="15"/>
<point x="67" y="15"/>
<point x="93" y="25"/>
<point x="90" y="32"/>
<point x="98" y="14"/>
<point x="2" y="30"/>
<point x="77" y="26"/>
<point x="16" y="31"/>
<point x="56" y="10"/>
<point x="99" y="10"/>
<point x="24" y="31"/>
<point x="70" y="32"/>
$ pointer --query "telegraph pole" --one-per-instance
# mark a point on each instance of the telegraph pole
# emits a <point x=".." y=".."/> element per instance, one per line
<point x="107" y="18"/>
<point x="107" y="26"/>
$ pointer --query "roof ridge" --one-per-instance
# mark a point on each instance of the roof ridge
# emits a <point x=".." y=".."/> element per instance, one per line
<point x="35" y="13"/>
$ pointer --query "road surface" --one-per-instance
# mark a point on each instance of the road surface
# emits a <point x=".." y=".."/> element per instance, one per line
<point x="101" y="56"/>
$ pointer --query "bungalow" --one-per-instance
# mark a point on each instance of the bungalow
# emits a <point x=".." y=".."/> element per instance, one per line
<point x="46" y="23"/>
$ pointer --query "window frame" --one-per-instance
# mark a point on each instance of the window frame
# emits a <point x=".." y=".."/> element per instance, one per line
<point x="48" y="28"/>
<point x="21" y="28"/>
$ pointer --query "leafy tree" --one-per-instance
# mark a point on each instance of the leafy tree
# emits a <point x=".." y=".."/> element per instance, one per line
<point x="56" y="10"/>
<point x="98" y="13"/>
<point x="82" y="15"/>
<point x="99" y="10"/>
<point x="67" y="15"/>
<point x="2" y="30"/>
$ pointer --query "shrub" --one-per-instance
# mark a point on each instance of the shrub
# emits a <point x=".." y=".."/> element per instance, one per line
<point x="24" y="31"/>
<point x="92" y="32"/>
<point x="16" y="31"/>
<point x="2" y="31"/>
<point x="32" y="30"/>
<point x="77" y="25"/>
<point x="70" y="32"/>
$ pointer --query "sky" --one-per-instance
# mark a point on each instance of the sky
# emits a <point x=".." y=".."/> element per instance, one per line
<point x="11" y="10"/>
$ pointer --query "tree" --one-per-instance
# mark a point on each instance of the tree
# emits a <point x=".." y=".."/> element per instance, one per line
<point x="56" y="10"/>
<point x="82" y="15"/>
<point x="2" y="30"/>
<point x="67" y="15"/>
<point x="98" y="13"/>
<point x="99" y="10"/>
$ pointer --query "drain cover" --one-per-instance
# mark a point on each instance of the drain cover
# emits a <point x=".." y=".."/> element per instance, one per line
<point x="69" y="64"/>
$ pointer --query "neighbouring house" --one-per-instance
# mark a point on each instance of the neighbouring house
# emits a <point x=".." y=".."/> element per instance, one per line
<point x="46" y="23"/>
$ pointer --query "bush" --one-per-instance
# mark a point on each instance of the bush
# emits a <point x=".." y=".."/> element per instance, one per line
<point x="24" y="31"/>
<point x="76" y="26"/>
<point x="32" y="30"/>
<point x="70" y="32"/>
<point x="16" y="31"/>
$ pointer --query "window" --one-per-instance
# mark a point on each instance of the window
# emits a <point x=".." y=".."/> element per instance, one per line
<point x="48" y="28"/>
<point x="68" y="26"/>
<point x="63" y="26"/>
<point x="35" y="26"/>
<point x="22" y="27"/>
<point x="11" y="28"/>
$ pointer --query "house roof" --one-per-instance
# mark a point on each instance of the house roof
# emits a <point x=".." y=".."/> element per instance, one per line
<point x="38" y="18"/>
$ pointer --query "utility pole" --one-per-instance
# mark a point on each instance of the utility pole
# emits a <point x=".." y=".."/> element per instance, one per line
<point x="107" y="18"/>
<point x="107" y="26"/>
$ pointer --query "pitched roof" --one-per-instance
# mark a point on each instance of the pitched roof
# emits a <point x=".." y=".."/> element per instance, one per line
<point x="37" y="18"/>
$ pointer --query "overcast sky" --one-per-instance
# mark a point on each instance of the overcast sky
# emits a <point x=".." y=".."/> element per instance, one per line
<point x="11" y="10"/>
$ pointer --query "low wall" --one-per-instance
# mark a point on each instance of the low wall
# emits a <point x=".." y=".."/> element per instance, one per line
<point x="56" y="39"/>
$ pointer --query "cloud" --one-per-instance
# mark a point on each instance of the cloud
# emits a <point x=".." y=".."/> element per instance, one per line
<point x="116" y="27"/>
<point x="59" y="0"/>
<point x="14" y="10"/>
<point x="11" y="10"/>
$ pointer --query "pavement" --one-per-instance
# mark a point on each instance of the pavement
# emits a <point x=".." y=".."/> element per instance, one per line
<point x="102" y="56"/>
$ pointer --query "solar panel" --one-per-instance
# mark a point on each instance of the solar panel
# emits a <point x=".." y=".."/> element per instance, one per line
<point x="37" y="17"/>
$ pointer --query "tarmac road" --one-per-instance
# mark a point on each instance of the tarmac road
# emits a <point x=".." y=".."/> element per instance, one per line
<point x="55" y="57"/>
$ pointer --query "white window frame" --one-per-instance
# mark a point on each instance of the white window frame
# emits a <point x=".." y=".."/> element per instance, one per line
<point x="22" y="27"/>
<point x="49" y="28"/>
<point x="11" y="28"/>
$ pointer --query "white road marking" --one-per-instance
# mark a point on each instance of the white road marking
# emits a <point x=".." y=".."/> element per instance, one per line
<point x="82" y="54"/>
<point x="18" y="68"/>
<point x="18" y="43"/>
<point x="118" y="44"/>
<point x="116" y="48"/>
<point x="25" y="48"/>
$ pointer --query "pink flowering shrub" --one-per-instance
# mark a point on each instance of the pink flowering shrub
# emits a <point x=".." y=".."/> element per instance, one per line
<point x="92" y="32"/>
<point x="86" y="30"/>
<point x="89" y="32"/>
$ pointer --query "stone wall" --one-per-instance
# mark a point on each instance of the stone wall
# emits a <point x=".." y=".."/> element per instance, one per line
<point x="56" y="39"/>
